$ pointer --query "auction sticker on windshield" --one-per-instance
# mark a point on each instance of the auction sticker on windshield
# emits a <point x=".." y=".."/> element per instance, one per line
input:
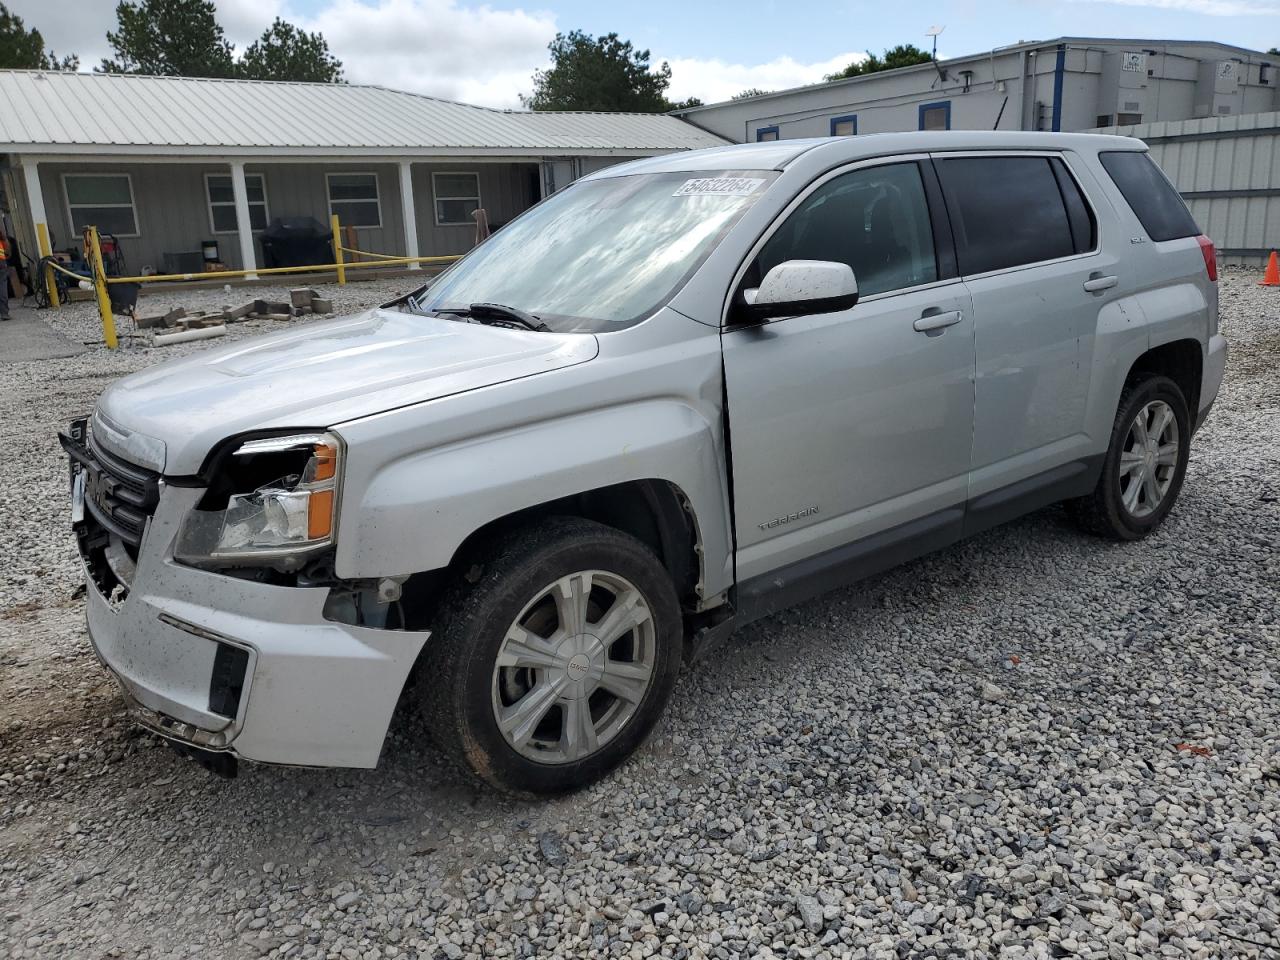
<point x="719" y="187"/>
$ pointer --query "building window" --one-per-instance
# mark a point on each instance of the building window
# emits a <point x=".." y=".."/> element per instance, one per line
<point x="222" y="202"/>
<point x="104" y="200"/>
<point x="844" y="126"/>
<point x="1104" y="120"/>
<point x="457" y="197"/>
<point x="766" y="134"/>
<point x="354" y="198"/>
<point x="935" y="116"/>
<point x="1128" y="119"/>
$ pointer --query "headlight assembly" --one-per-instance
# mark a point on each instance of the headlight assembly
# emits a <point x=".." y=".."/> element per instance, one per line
<point x="274" y="503"/>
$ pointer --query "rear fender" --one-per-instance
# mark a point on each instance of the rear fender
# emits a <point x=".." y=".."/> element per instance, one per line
<point x="1127" y="328"/>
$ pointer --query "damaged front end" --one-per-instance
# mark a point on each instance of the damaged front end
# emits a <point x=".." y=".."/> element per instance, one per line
<point x="214" y="603"/>
<point x="111" y="502"/>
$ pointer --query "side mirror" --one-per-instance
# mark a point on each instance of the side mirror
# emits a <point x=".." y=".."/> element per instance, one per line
<point x="801" y="287"/>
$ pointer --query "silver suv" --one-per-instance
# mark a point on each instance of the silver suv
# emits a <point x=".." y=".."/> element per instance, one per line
<point x="675" y="397"/>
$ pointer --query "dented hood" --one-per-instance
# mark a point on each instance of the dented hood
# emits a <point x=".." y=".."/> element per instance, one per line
<point x="315" y="376"/>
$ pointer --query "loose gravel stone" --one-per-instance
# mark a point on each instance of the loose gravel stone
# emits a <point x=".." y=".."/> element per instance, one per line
<point x="835" y="783"/>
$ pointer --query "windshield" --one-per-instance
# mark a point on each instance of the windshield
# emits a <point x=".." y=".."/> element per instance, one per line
<point x="601" y="254"/>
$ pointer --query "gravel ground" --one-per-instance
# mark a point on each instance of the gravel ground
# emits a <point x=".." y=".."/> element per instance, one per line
<point x="1035" y="744"/>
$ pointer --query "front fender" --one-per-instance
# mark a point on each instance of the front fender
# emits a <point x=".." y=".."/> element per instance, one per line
<point x="413" y="512"/>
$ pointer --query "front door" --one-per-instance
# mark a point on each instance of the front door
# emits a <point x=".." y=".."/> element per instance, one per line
<point x="844" y="425"/>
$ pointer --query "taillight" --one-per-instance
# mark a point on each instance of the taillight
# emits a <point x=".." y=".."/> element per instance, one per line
<point x="1210" y="257"/>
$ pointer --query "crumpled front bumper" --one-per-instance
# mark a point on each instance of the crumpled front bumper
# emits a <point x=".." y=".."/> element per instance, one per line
<point x="222" y="663"/>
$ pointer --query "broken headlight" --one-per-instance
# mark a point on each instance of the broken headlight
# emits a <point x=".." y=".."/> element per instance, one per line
<point x="273" y="501"/>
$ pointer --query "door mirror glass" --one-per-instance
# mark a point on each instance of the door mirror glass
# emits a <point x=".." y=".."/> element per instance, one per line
<point x="800" y="287"/>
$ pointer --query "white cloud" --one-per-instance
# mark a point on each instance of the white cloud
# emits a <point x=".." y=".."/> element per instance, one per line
<point x="455" y="49"/>
<point x="714" y="80"/>
<point x="440" y="47"/>
<point x="243" y="21"/>
<point x="79" y="26"/>
<point x="1210" y="8"/>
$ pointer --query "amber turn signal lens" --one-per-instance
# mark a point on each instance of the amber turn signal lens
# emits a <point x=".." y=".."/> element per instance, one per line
<point x="326" y="461"/>
<point x="320" y="514"/>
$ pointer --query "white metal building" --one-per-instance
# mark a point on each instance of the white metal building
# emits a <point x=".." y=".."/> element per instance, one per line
<point x="1069" y="84"/>
<point x="165" y="163"/>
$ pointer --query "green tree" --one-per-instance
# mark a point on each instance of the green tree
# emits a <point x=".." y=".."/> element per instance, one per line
<point x="169" y="38"/>
<point x="903" y="55"/>
<point x="284" y="52"/>
<point x="684" y="104"/>
<point x="599" y="73"/>
<point x="23" y="49"/>
<point x="750" y="92"/>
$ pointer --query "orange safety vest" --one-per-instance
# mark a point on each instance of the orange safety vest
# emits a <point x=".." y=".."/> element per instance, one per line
<point x="4" y="249"/>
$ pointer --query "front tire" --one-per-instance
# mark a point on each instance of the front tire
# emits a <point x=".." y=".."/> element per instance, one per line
<point x="1145" y="463"/>
<point x="551" y="668"/>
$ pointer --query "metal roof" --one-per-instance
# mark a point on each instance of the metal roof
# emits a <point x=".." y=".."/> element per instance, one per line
<point x="951" y="62"/>
<point x="60" y="112"/>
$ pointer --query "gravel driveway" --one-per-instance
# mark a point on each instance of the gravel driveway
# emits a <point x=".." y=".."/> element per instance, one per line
<point x="1034" y="744"/>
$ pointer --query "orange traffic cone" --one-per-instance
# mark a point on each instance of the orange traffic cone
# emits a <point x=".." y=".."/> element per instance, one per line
<point x="1271" y="278"/>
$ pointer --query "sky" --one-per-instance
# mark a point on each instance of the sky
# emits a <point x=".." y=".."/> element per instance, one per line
<point x="486" y="53"/>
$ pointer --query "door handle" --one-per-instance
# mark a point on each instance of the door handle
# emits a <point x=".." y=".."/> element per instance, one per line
<point x="937" y="321"/>
<point x="1096" y="284"/>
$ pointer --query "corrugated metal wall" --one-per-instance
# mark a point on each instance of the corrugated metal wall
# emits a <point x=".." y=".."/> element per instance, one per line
<point x="1228" y="170"/>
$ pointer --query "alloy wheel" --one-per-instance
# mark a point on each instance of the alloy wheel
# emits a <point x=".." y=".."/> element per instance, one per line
<point x="574" y="667"/>
<point x="1149" y="459"/>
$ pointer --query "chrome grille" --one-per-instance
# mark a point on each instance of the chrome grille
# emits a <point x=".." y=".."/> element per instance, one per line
<point x="121" y="496"/>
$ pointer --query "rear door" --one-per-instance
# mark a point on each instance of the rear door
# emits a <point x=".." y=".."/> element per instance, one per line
<point x="1027" y="247"/>
<point x="845" y="424"/>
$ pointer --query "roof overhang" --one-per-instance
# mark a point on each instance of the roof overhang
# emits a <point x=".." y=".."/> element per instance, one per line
<point x="44" y="152"/>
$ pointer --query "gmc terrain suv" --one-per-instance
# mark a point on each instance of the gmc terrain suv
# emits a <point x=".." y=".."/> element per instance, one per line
<point x="675" y="397"/>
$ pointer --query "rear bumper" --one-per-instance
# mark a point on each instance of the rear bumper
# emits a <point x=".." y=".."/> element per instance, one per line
<point x="252" y="669"/>
<point x="1215" y="365"/>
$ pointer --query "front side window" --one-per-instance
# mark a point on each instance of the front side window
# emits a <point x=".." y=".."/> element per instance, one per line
<point x="222" y="202"/>
<point x="457" y="197"/>
<point x="876" y="220"/>
<point x="1005" y="212"/>
<point x="354" y="198"/>
<point x="101" y="200"/>
<point x="602" y="253"/>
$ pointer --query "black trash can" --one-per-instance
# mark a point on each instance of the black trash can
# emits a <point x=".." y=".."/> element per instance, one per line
<point x="296" y="242"/>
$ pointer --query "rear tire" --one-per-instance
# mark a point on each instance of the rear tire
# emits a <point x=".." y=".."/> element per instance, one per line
<point x="1145" y="463"/>
<point x="553" y="667"/>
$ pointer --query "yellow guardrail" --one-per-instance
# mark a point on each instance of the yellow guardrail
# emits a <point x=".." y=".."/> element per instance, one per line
<point x="46" y="250"/>
<point x="101" y="282"/>
<point x="273" y="271"/>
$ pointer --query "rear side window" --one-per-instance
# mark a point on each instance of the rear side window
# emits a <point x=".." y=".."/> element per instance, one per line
<point x="1006" y="212"/>
<point x="1150" y="195"/>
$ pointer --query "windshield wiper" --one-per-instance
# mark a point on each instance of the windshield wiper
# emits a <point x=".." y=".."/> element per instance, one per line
<point x="497" y="314"/>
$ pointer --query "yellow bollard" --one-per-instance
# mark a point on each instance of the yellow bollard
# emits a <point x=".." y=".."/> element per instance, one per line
<point x="337" y="249"/>
<point x="94" y="249"/>
<point x="50" y="281"/>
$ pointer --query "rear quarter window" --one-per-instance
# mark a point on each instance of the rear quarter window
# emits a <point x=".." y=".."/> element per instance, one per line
<point x="1150" y="195"/>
